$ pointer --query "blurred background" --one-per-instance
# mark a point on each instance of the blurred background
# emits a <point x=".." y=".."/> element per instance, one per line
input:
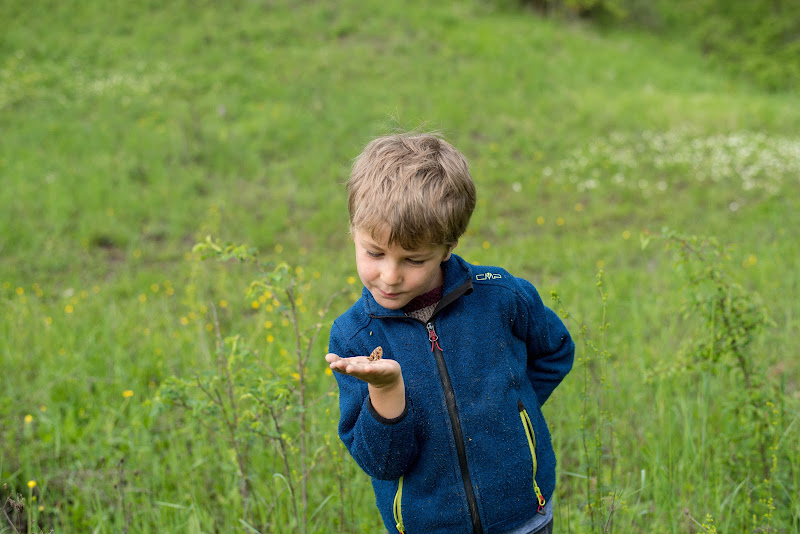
<point x="147" y="389"/>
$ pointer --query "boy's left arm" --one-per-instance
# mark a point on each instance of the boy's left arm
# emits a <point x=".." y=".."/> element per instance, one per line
<point x="382" y="445"/>
<point x="550" y="347"/>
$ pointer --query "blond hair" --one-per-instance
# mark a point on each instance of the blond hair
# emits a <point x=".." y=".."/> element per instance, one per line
<point x="415" y="186"/>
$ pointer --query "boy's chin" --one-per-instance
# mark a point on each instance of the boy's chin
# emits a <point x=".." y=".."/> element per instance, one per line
<point x="389" y="303"/>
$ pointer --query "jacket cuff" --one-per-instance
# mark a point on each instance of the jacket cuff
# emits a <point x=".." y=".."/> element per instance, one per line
<point x="381" y="419"/>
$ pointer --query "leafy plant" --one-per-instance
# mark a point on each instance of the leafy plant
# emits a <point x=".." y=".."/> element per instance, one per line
<point x="602" y="497"/>
<point x="723" y="319"/>
<point x="249" y="398"/>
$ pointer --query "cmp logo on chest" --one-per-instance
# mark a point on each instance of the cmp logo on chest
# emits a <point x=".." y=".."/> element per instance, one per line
<point x="487" y="276"/>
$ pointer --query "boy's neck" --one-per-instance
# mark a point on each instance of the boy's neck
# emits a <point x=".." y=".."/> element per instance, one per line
<point x="421" y="307"/>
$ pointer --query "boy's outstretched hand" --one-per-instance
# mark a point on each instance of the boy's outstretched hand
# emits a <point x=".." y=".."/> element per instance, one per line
<point x="379" y="373"/>
<point x="385" y="379"/>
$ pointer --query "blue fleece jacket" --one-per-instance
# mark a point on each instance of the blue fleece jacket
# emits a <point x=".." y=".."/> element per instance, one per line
<point x="481" y="367"/>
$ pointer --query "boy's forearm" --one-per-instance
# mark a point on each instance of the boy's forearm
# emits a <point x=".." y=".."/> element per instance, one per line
<point x="389" y="400"/>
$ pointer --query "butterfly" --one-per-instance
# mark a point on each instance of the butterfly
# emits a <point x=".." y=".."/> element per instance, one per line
<point x="376" y="354"/>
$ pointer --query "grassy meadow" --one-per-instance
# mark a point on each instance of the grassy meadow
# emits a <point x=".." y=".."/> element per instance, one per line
<point x="146" y="389"/>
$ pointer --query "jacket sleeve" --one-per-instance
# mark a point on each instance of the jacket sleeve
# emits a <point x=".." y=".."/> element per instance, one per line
<point x="550" y="348"/>
<point x="383" y="448"/>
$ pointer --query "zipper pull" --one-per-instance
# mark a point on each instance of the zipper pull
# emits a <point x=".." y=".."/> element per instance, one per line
<point x="432" y="337"/>
<point x="540" y="498"/>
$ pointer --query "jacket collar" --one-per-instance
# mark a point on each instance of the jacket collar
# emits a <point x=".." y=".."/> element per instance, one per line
<point x="457" y="282"/>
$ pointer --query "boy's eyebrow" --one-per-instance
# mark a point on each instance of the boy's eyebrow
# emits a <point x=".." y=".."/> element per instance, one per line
<point x="419" y="253"/>
<point x="370" y="243"/>
<point x="367" y="242"/>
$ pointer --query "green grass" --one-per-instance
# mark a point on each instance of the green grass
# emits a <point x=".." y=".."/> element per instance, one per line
<point x="131" y="132"/>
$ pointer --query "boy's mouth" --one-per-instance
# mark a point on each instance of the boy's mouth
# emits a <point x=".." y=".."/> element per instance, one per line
<point x="386" y="295"/>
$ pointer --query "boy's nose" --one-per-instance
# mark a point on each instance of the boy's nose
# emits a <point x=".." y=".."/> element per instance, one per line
<point x="391" y="275"/>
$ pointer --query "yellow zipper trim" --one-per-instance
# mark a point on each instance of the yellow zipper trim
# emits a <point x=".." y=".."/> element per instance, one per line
<point x="396" y="508"/>
<point x="526" y="422"/>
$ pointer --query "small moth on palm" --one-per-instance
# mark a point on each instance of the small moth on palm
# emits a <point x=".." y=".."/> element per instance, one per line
<point x="376" y="354"/>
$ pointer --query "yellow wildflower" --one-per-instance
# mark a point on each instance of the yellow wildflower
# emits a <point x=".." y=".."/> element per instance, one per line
<point x="128" y="393"/>
<point x="68" y="308"/>
<point x="28" y="419"/>
<point x="31" y="484"/>
<point x="540" y="220"/>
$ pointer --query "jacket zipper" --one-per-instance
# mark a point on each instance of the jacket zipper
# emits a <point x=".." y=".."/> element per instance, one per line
<point x="458" y="434"/>
<point x="397" y="510"/>
<point x="526" y="422"/>
<point x="452" y="410"/>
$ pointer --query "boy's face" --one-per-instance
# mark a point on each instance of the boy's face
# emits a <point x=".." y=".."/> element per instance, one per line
<point x="395" y="275"/>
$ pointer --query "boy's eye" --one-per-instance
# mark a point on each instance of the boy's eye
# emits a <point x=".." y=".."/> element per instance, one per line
<point x="374" y="254"/>
<point x="415" y="262"/>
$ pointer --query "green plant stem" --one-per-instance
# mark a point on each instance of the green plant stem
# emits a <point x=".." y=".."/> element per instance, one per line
<point x="285" y="456"/>
<point x="232" y="423"/>
<point x="301" y="390"/>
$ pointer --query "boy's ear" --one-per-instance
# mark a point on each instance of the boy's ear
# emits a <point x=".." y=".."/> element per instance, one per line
<point x="450" y="251"/>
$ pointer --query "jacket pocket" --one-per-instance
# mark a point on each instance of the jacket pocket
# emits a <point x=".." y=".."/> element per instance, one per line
<point x="397" y="507"/>
<point x="529" y="433"/>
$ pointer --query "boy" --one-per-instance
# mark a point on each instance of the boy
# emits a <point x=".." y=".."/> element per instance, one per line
<point x="448" y="422"/>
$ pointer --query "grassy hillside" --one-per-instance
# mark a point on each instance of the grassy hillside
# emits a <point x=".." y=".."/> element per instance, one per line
<point x="131" y="132"/>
